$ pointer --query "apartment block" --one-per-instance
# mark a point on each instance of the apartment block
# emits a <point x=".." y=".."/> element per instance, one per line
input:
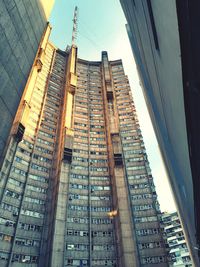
<point x="76" y="187"/>
<point x="175" y="239"/>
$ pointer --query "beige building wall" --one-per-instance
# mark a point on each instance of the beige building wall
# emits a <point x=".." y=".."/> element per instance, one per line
<point x="47" y="6"/>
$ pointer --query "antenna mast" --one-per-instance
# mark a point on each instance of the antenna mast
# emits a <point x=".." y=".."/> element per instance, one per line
<point x="75" y="26"/>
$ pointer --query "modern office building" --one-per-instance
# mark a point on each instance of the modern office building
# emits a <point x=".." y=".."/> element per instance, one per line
<point x="165" y="41"/>
<point x="76" y="188"/>
<point x="175" y="239"/>
<point x="22" y="26"/>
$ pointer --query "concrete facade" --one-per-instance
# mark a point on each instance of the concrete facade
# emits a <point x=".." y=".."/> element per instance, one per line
<point x="76" y="188"/>
<point x="22" y="25"/>
<point x="154" y="36"/>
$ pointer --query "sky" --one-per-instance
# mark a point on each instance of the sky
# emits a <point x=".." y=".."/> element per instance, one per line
<point x="101" y="27"/>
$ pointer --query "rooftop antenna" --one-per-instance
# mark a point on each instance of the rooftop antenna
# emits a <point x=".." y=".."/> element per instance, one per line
<point x="75" y="26"/>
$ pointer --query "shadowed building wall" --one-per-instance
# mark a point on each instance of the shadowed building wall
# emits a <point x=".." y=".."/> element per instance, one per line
<point x="160" y="35"/>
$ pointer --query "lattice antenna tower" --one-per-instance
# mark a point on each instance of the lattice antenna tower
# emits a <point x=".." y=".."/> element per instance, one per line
<point x="75" y="26"/>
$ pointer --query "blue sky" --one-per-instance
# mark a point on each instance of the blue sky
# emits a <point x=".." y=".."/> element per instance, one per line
<point x="98" y="25"/>
<point x="101" y="26"/>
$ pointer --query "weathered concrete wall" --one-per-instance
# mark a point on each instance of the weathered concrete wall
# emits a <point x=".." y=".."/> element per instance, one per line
<point x="22" y="24"/>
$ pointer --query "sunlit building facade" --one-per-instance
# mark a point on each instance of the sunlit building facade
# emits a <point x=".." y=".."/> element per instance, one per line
<point x="22" y="27"/>
<point x="76" y="186"/>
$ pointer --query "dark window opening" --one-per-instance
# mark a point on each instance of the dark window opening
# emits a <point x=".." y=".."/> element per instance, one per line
<point x="153" y="24"/>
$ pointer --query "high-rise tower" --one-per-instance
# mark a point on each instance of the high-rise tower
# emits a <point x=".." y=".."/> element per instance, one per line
<point x="76" y="186"/>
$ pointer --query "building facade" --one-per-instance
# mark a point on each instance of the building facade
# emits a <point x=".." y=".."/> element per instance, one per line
<point x="22" y="26"/>
<point x="160" y="34"/>
<point x="175" y="240"/>
<point x="76" y="188"/>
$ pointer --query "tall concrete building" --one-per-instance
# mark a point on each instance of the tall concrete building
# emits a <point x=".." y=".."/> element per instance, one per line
<point x="22" y="26"/>
<point x="76" y="188"/>
<point x="165" y="41"/>
<point x="175" y="239"/>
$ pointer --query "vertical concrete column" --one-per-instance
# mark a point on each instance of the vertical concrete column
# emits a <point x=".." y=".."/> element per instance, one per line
<point x="65" y="154"/>
<point x="128" y="255"/>
<point x="58" y="248"/>
<point x="109" y="93"/>
<point x="71" y="82"/>
<point x="121" y="214"/>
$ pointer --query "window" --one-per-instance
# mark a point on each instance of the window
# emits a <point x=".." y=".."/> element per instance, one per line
<point x="83" y="220"/>
<point x="46" y="134"/>
<point x="131" y="144"/>
<point x="155" y="259"/>
<point x="32" y="213"/>
<point x="77" y="233"/>
<point x="80" y="130"/>
<point x="34" y="200"/>
<point x="23" y="151"/>
<point x="12" y="194"/>
<point x="99" y="169"/>
<point x="79" y="168"/>
<point x="15" y="182"/>
<point x="103" y="247"/>
<point x="77" y="196"/>
<point x="80" y="247"/>
<point x="78" y="186"/>
<point x="149" y="231"/>
<point x="76" y="207"/>
<point x="10" y="208"/>
<point x="4" y="255"/>
<point x="101" y="221"/>
<point x="30" y="227"/>
<point x="143" y="196"/>
<point x="27" y="242"/>
<point x="7" y="223"/>
<point x="36" y="189"/>
<point x="6" y="238"/>
<point x="100" y="209"/>
<point x="101" y="262"/>
<point x="102" y="233"/>
<point x="43" y="159"/>
<point x="146" y="219"/>
<point x="150" y="245"/>
<point x="135" y="159"/>
<point x="20" y="160"/>
<point x="81" y="151"/>
<point x="45" y="142"/>
<point x="80" y="159"/>
<point x="38" y="178"/>
<point x="137" y="177"/>
<point x="99" y="187"/>
<point x="143" y="207"/>
<point x="138" y="186"/>
<point x="39" y="168"/>
<point x="24" y="258"/>
<point x="80" y="124"/>
<point x="78" y="176"/>
<point x="151" y="16"/>
<point x="18" y="171"/>
<point x="86" y="208"/>
<point x="99" y="178"/>
<point x="97" y="145"/>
